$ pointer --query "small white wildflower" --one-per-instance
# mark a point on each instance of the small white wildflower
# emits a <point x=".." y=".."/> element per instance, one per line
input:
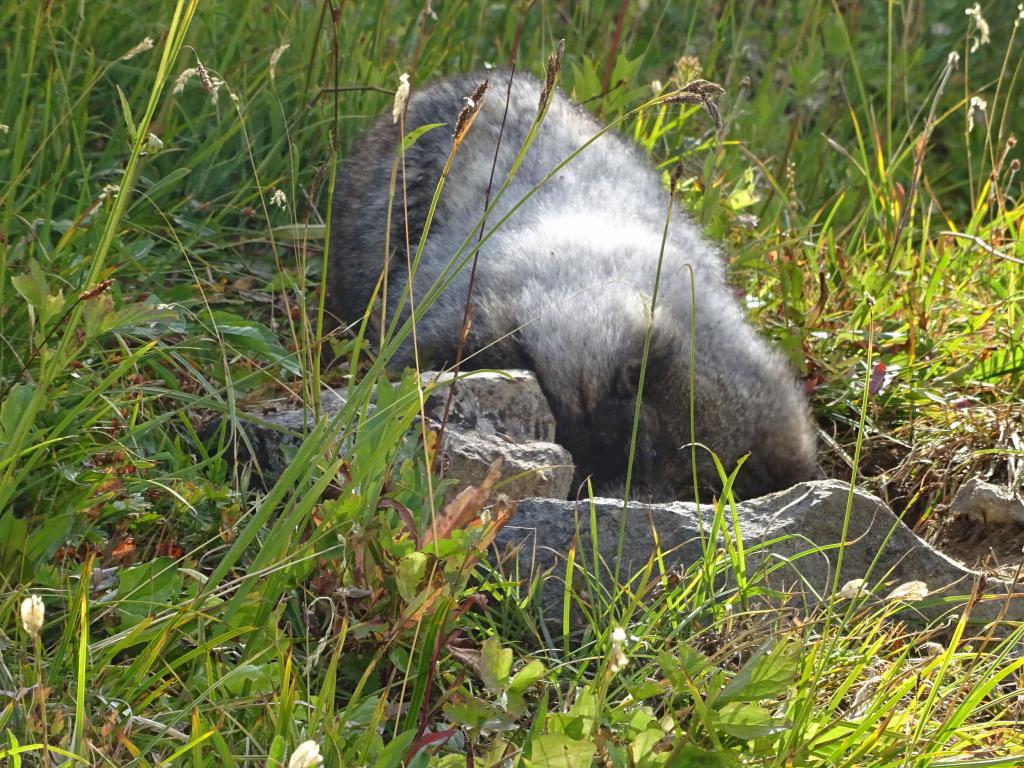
<point x="153" y="143"/>
<point x="306" y="755"/>
<point x="617" y="658"/>
<point x="276" y="56"/>
<point x="145" y="45"/>
<point x="5" y="129"/>
<point x="279" y="198"/>
<point x="983" y="38"/>
<point x="182" y="79"/>
<point x="656" y="87"/>
<point x="401" y="97"/>
<point x="953" y="59"/>
<point x="979" y="105"/>
<point x="109" y="190"/>
<point x="32" y="614"/>
<point x="1020" y="15"/>
<point x="909" y="592"/>
<point x="851" y="589"/>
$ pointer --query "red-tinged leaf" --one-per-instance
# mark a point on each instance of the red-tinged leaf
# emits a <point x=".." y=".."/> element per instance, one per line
<point x="877" y="381"/>
<point x="427" y="740"/>
<point x="124" y="551"/>
<point x="464" y="508"/>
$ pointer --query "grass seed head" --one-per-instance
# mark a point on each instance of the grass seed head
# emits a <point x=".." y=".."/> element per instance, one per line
<point x="145" y="45"/>
<point x="700" y="93"/>
<point x="401" y="97"/>
<point x="183" y="77"/>
<point x="551" y="71"/>
<point x="976" y="107"/>
<point x="91" y="293"/>
<point x="470" y="111"/>
<point x="276" y="56"/>
<point x="983" y="36"/>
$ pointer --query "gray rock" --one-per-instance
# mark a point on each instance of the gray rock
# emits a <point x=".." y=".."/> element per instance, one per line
<point x="778" y="531"/>
<point x="508" y="403"/>
<point x="532" y="468"/>
<point x="492" y="414"/>
<point x="984" y="502"/>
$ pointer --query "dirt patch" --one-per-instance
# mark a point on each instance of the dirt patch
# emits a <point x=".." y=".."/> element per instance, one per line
<point x="918" y="471"/>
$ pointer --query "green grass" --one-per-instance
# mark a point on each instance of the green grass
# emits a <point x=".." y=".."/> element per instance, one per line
<point x="193" y="619"/>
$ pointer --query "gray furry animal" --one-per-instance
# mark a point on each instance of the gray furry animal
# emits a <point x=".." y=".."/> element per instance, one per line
<point x="564" y="287"/>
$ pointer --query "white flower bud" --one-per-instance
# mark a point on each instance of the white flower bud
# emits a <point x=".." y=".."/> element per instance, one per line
<point x="306" y="755"/>
<point x="32" y="614"/>
<point x="401" y="97"/>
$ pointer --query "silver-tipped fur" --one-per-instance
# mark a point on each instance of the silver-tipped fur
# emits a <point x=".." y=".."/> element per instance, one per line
<point x="564" y="288"/>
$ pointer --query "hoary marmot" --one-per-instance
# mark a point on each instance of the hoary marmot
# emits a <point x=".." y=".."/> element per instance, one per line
<point x="564" y="288"/>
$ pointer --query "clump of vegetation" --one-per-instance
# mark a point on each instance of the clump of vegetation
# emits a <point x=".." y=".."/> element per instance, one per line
<point x="164" y="171"/>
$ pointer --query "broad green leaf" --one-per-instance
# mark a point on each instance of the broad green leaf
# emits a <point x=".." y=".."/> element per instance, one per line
<point x="475" y="713"/>
<point x="648" y="689"/>
<point x="744" y="194"/>
<point x="391" y="756"/>
<point x="145" y="589"/>
<point x="692" y="756"/>
<point x="495" y="664"/>
<point x="747" y="721"/>
<point x="410" y="573"/>
<point x="255" y="337"/>
<point x="556" y="750"/>
<point x="526" y="677"/>
<point x="12" y="408"/>
<point x="522" y="680"/>
<point x="766" y="674"/>
<point x="32" y="285"/>
<point x="683" y="663"/>
<point x="250" y="680"/>
<point x="642" y="746"/>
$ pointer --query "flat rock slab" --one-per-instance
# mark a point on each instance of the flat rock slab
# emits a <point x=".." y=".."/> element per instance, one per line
<point x="493" y="415"/>
<point x="779" y="531"/>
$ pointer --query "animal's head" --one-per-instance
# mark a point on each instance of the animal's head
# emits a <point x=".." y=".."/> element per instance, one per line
<point x="589" y="354"/>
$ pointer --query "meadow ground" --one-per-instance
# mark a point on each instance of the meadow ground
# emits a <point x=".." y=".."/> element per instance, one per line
<point x="164" y="169"/>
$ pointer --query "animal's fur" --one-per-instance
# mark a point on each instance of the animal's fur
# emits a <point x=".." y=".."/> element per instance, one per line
<point x="564" y="288"/>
